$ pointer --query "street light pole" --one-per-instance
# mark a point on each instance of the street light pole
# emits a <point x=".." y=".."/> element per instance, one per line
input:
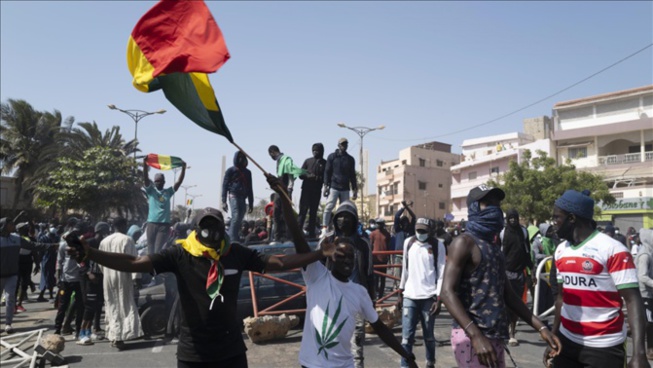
<point x="361" y="131"/>
<point x="186" y="187"/>
<point x="136" y="115"/>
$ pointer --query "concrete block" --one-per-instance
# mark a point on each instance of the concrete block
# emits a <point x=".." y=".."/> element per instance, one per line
<point x="390" y="316"/>
<point x="266" y="328"/>
<point x="54" y="343"/>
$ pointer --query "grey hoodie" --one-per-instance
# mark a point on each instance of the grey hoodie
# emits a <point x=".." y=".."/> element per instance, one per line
<point x="644" y="263"/>
<point x="363" y="273"/>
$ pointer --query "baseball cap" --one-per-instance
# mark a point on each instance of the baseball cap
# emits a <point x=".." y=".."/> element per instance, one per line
<point x="423" y="224"/>
<point x="206" y="213"/>
<point x="481" y="191"/>
<point x="102" y="227"/>
<point x="343" y="140"/>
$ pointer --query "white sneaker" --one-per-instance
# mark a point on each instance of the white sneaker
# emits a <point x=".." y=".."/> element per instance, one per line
<point x="86" y="340"/>
<point x="9" y="329"/>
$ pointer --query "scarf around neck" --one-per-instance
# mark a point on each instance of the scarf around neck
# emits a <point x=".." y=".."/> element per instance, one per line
<point x="216" y="272"/>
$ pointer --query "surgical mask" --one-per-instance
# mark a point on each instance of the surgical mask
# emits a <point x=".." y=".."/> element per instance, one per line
<point x="422" y="236"/>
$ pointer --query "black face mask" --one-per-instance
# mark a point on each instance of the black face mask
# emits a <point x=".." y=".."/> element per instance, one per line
<point x="345" y="224"/>
<point x="566" y="230"/>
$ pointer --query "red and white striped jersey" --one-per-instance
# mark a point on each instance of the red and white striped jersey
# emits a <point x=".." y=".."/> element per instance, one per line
<point x="591" y="273"/>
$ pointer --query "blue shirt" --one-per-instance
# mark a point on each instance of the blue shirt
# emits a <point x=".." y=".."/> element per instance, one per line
<point x="159" y="204"/>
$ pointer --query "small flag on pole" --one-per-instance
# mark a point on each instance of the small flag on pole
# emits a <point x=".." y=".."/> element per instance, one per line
<point x="173" y="47"/>
<point x="189" y="202"/>
<point x="163" y="162"/>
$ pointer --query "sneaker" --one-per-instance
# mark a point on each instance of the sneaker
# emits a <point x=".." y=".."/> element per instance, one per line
<point x="96" y="337"/>
<point x="9" y="329"/>
<point x="84" y="340"/>
<point x="430" y="364"/>
<point x="20" y="308"/>
<point x="41" y="299"/>
<point x="67" y="331"/>
<point x="513" y="342"/>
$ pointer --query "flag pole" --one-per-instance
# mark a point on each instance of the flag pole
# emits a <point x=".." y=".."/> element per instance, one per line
<point x="285" y="194"/>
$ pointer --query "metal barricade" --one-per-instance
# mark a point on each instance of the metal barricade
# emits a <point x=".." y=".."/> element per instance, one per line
<point x="541" y="277"/>
<point x="381" y="270"/>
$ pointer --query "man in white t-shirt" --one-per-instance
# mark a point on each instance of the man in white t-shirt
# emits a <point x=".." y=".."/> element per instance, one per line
<point x="332" y="302"/>
<point x="421" y="281"/>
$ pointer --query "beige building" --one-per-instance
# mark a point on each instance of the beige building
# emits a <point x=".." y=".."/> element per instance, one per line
<point x="420" y="175"/>
<point x="612" y="135"/>
<point x="487" y="158"/>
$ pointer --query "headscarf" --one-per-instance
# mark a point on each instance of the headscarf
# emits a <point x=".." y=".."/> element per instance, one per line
<point x="486" y="223"/>
<point x="216" y="273"/>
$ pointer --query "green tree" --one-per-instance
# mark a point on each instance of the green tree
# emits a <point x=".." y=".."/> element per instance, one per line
<point x="75" y="141"/>
<point x="26" y="137"/>
<point x="533" y="185"/>
<point x="100" y="183"/>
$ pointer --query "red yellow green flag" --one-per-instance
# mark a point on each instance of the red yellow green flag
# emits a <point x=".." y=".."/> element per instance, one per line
<point x="163" y="162"/>
<point x="173" y="47"/>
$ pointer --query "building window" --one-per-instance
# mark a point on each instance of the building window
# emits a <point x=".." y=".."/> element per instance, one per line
<point x="577" y="152"/>
<point x="494" y="170"/>
<point x="421" y="185"/>
<point x="471" y="175"/>
<point x="618" y="195"/>
<point x="439" y="163"/>
<point x="441" y="205"/>
<point x="422" y="162"/>
<point x="395" y="188"/>
<point x="403" y="162"/>
<point x="440" y="185"/>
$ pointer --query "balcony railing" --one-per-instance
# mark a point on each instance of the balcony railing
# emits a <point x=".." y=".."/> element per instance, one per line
<point x="629" y="158"/>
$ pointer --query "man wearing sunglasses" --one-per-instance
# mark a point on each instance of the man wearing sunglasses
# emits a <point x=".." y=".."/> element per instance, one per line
<point x="208" y="269"/>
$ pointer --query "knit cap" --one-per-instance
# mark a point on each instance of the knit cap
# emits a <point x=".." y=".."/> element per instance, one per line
<point x="580" y="204"/>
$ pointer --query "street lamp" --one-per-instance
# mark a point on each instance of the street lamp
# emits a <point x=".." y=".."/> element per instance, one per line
<point x="136" y="115"/>
<point x="361" y="131"/>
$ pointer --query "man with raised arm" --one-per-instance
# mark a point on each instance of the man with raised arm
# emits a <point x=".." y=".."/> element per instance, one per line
<point x="332" y="301"/>
<point x="208" y="269"/>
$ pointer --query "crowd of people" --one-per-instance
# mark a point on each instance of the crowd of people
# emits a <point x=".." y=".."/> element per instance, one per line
<point x="480" y="270"/>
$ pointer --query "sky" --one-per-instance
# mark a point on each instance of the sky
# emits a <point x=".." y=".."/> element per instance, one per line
<point x="425" y="70"/>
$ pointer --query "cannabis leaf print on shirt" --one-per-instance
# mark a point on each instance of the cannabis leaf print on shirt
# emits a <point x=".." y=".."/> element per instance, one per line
<point x="325" y="338"/>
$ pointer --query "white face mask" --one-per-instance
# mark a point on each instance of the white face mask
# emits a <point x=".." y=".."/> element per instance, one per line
<point x="422" y="237"/>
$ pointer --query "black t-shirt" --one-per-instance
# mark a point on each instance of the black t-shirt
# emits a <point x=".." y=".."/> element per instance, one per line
<point x="208" y="335"/>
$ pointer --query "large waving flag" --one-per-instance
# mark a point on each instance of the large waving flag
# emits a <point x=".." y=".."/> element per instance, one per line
<point x="173" y="47"/>
<point x="163" y="162"/>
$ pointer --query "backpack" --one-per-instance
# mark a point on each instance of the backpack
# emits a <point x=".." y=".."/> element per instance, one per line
<point x="434" y="243"/>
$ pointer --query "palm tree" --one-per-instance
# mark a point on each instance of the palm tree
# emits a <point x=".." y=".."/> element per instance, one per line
<point x="75" y="142"/>
<point x="26" y="135"/>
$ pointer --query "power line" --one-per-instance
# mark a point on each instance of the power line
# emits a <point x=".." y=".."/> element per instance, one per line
<point x="527" y="106"/>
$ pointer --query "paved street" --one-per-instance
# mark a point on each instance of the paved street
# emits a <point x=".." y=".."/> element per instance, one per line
<point x="281" y="353"/>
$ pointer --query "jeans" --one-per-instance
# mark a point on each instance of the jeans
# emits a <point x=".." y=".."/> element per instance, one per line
<point x="334" y="196"/>
<point x="157" y="235"/>
<point x="413" y="310"/>
<point x="238" y="207"/>
<point x="8" y="285"/>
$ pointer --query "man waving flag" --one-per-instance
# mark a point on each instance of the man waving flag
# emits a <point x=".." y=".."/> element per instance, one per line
<point x="173" y="47"/>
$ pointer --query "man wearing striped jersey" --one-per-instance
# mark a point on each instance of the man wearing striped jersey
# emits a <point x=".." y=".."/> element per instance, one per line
<point x="595" y="272"/>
